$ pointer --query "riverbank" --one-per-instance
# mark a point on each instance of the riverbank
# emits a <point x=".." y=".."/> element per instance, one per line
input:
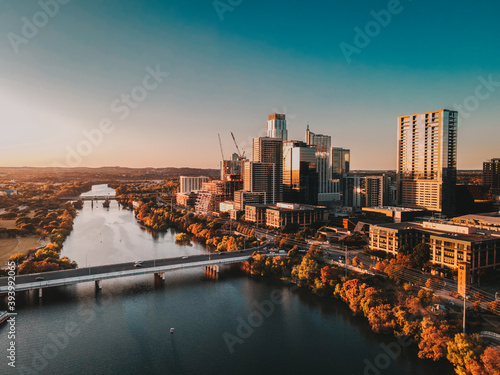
<point x="402" y="311"/>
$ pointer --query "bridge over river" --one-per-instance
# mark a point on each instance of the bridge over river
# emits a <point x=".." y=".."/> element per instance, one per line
<point x="96" y="274"/>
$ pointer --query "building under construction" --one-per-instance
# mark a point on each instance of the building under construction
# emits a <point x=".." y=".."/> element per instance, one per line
<point x="214" y="192"/>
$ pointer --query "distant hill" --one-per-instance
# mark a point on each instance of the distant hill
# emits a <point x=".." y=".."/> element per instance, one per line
<point x="41" y="174"/>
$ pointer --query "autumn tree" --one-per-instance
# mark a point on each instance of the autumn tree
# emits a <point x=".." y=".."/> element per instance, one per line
<point x="491" y="361"/>
<point x="464" y="352"/>
<point x="434" y="339"/>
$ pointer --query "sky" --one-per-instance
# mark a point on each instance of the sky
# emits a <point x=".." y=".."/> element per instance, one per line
<point x="149" y="83"/>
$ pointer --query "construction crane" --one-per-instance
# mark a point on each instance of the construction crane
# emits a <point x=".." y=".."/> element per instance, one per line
<point x="221" y="151"/>
<point x="237" y="148"/>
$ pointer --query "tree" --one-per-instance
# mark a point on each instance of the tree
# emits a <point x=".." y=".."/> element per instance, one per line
<point x="17" y="258"/>
<point x="381" y="319"/>
<point x="182" y="239"/>
<point x="433" y="343"/>
<point x="491" y="360"/>
<point x="464" y="352"/>
<point x="420" y="255"/>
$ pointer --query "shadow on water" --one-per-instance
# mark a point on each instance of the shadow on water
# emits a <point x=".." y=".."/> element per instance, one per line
<point x="177" y="366"/>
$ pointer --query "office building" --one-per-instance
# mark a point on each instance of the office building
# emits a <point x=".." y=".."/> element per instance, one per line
<point x="243" y="197"/>
<point x="491" y="175"/>
<point x="341" y="161"/>
<point x="427" y="160"/>
<point x="449" y="244"/>
<point x="300" y="179"/>
<point x="354" y="191"/>
<point x="188" y="184"/>
<point x="283" y="214"/>
<point x="270" y="151"/>
<point x="260" y="178"/>
<point x="276" y="126"/>
<point x="322" y="144"/>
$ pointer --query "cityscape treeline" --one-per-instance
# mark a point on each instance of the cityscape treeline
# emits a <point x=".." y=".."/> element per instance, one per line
<point x="211" y="232"/>
<point x="402" y="310"/>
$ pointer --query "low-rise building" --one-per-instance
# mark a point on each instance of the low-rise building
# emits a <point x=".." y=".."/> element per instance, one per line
<point x="394" y="214"/>
<point x="256" y="213"/>
<point x="283" y="214"/>
<point x="186" y="199"/>
<point x="449" y="243"/>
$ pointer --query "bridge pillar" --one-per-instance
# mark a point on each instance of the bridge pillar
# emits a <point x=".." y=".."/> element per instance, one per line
<point x="40" y="294"/>
<point x="159" y="278"/>
<point x="212" y="272"/>
<point x="97" y="286"/>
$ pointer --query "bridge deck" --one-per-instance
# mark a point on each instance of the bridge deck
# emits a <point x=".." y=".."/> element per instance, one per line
<point x="79" y="275"/>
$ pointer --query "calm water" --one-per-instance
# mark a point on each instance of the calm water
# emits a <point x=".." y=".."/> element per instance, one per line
<point x="125" y="330"/>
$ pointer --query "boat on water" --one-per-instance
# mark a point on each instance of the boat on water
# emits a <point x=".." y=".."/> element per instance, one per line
<point x="3" y="316"/>
<point x="171" y="330"/>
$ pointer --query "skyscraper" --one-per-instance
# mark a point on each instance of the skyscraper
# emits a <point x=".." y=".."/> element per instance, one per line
<point x="322" y="144"/>
<point x="427" y="160"/>
<point x="270" y="150"/>
<point x="276" y="126"/>
<point x="341" y="161"/>
<point x="491" y="175"/>
<point x="300" y="179"/>
<point x="261" y="178"/>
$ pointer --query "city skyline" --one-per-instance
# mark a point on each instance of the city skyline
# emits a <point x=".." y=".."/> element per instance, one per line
<point x="201" y="70"/>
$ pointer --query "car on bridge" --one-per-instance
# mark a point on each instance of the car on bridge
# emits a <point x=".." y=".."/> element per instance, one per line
<point x="39" y="278"/>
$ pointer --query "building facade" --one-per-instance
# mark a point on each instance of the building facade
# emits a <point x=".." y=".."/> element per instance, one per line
<point x="322" y="144"/>
<point x="260" y="178"/>
<point x="270" y="151"/>
<point x="427" y="160"/>
<point x="188" y="183"/>
<point x="341" y="161"/>
<point x="491" y="175"/>
<point x="276" y="126"/>
<point x="300" y="179"/>
<point x="449" y="244"/>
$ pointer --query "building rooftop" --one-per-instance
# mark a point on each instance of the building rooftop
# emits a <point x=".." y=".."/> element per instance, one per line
<point x="441" y="233"/>
<point x="395" y="209"/>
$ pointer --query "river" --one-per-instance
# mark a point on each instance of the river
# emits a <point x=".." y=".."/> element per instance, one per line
<point x="234" y="325"/>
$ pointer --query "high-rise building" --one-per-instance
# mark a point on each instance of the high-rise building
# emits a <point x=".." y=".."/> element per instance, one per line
<point x="188" y="183"/>
<point x="341" y="161"/>
<point x="427" y="160"/>
<point x="230" y="167"/>
<point x="354" y="191"/>
<point x="376" y="191"/>
<point x="300" y="179"/>
<point x="276" y="126"/>
<point x="270" y="151"/>
<point x="322" y="144"/>
<point x="491" y="175"/>
<point x="261" y="177"/>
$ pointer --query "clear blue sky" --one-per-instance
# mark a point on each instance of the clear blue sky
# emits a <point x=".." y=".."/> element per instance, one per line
<point x="229" y="74"/>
